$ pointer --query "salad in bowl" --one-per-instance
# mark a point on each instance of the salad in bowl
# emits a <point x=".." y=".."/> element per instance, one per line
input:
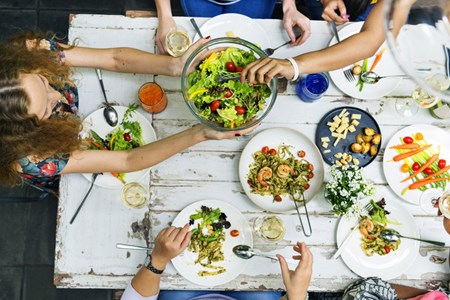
<point x="212" y="89"/>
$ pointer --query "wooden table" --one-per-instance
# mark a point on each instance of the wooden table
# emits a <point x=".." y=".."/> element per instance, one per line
<point x="86" y="256"/>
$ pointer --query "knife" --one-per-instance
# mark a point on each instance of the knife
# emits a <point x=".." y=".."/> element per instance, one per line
<point x="94" y="177"/>
<point x="345" y="242"/>
<point x="335" y="32"/>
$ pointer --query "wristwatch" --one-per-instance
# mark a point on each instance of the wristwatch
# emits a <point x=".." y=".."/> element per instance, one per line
<point x="149" y="266"/>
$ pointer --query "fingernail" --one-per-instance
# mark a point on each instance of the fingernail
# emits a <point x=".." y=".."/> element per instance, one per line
<point x="241" y="80"/>
<point x="237" y="134"/>
<point x="208" y="37"/>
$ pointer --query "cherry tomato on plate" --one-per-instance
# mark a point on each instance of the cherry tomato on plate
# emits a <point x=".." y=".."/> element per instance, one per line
<point x="415" y="166"/>
<point x="239" y="69"/>
<point x="277" y="198"/>
<point x="240" y="110"/>
<point x="306" y="186"/>
<point x="442" y="163"/>
<point x="273" y="151"/>
<point x="265" y="149"/>
<point x="234" y="233"/>
<point x="310" y="167"/>
<point x="404" y="168"/>
<point x="127" y="136"/>
<point x="310" y="175"/>
<point x="408" y="140"/>
<point x="428" y="171"/>
<point x="215" y="105"/>
<point x="419" y="136"/>
<point x="231" y="67"/>
<point x="301" y="154"/>
<point x="387" y="248"/>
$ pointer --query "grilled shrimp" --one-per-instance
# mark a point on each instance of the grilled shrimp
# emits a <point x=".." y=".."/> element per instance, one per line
<point x="284" y="171"/>
<point x="263" y="175"/>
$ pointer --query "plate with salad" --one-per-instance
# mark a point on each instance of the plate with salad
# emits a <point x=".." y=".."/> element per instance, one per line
<point x="216" y="227"/>
<point x="133" y="130"/>
<point x="415" y="162"/>
<point x="385" y="67"/>
<point x="277" y="162"/>
<point x="367" y="254"/>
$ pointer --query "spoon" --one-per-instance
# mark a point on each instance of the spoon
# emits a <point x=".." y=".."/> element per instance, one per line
<point x="109" y="112"/>
<point x="372" y="77"/>
<point x="391" y="235"/>
<point x="246" y="252"/>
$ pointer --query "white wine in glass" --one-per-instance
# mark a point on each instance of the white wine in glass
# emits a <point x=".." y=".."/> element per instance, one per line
<point x="270" y="228"/>
<point x="177" y="41"/>
<point x="423" y="98"/>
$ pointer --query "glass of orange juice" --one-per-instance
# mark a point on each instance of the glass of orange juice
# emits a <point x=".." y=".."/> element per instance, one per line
<point x="152" y="97"/>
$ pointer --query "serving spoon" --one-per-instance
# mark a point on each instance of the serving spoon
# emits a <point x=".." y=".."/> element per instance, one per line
<point x="390" y="235"/>
<point x="247" y="252"/>
<point x="372" y="77"/>
<point x="109" y="112"/>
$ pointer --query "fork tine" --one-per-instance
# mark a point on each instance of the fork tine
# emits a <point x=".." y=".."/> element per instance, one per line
<point x="349" y="75"/>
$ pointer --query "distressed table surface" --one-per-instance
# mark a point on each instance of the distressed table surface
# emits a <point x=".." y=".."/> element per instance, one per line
<point x="86" y="256"/>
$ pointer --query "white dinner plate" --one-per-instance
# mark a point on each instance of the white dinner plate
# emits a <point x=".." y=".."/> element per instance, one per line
<point x="387" y="266"/>
<point x="239" y="25"/>
<point x="184" y="263"/>
<point x="433" y="135"/>
<point x="96" y="121"/>
<point x="386" y="66"/>
<point x="273" y="138"/>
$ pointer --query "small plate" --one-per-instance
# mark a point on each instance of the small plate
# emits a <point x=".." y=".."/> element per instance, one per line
<point x="239" y="25"/>
<point x="273" y="138"/>
<point x="344" y="145"/>
<point x="387" y="266"/>
<point x="96" y="121"/>
<point x="386" y="66"/>
<point x="184" y="263"/>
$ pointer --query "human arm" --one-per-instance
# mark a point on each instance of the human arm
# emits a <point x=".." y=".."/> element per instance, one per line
<point x="94" y="161"/>
<point x="128" y="60"/>
<point x="297" y="281"/>
<point x="329" y="11"/>
<point x="165" y="23"/>
<point x="169" y="243"/>
<point x="291" y="18"/>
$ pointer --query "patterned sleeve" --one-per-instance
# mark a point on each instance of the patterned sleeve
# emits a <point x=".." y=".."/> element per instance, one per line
<point x="47" y="167"/>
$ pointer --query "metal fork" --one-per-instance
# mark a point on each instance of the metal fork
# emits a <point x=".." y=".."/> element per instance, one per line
<point x="270" y="51"/>
<point x="366" y="210"/>
<point x="349" y="75"/>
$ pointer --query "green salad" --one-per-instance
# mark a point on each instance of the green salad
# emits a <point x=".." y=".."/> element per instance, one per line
<point x="231" y="102"/>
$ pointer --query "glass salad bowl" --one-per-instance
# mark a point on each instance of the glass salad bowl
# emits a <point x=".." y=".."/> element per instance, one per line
<point x="213" y="92"/>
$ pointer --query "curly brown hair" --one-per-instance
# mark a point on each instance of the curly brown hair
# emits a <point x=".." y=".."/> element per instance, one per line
<point x="22" y="134"/>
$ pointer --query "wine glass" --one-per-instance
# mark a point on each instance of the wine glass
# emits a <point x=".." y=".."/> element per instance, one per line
<point x="429" y="201"/>
<point x="444" y="204"/>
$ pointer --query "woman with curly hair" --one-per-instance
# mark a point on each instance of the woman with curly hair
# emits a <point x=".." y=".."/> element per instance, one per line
<point x="39" y="126"/>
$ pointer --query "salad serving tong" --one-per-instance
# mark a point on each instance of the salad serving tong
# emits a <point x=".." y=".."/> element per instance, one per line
<point x="301" y="198"/>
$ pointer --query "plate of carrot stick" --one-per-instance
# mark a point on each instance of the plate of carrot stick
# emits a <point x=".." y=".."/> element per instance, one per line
<point x="415" y="160"/>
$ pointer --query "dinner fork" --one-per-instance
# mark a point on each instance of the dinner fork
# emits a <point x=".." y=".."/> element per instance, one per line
<point x="349" y="75"/>
<point x="365" y="210"/>
<point x="270" y="51"/>
<point x="94" y="177"/>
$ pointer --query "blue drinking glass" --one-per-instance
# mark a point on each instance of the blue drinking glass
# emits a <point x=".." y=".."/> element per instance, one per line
<point x="312" y="87"/>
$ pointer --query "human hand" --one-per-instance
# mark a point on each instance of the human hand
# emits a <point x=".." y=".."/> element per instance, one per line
<point x="264" y="69"/>
<point x="170" y="242"/>
<point x="291" y="18"/>
<point x="297" y="282"/>
<point x="329" y="11"/>
<point x="211" y="134"/>
<point x="164" y="25"/>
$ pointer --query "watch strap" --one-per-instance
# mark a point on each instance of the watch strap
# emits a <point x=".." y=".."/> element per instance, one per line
<point x="150" y="267"/>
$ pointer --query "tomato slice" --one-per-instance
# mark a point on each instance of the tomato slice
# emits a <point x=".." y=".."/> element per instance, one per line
<point x="234" y="233"/>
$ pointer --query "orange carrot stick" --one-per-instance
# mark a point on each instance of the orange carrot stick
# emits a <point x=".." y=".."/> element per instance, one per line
<point x="377" y="59"/>
<point x="425" y="165"/>
<point x="402" y="156"/>
<point x="425" y="181"/>
<point x="439" y="172"/>
<point x="406" y="146"/>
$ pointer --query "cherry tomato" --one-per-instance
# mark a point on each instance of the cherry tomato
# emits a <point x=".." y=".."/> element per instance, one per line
<point x="387" y="248"/>
<point x="419" y="136"/>
<point x="415" y="166"/>
<point x="240" y="110"/>
<point x="404" y="168"/>
<point x="442" y="163"/>
<point x="228" y="94"/>
<point x="408" y="140"/>
<point x="428" y="171"/>
<point x="239" y="69"/>
<point x="306" y="186"/>
<point x="234" y="233"/>
<point x="215" y="105"/>
<point x="265" y="149"/>
<point x="231" y="67"/>
<point x="301" y="153"/>
<point x="310" y="167"/>
<point x="277" y="198"/>
<point x="310" y="175"/>
<point x="273" y="151"/>
<point x="127" y="136"/>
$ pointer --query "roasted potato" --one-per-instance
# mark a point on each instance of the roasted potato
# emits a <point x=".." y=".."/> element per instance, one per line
<point x="369" y="131"/>
<point x="356" y="148"/>
<point x="359" y="138"/>
<point x="367" y="138"/>
<point x="357" y="70"/>
<point x="373" y="150"/>
<point x="376" y="139"/>
<point x="365" y="148"/>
